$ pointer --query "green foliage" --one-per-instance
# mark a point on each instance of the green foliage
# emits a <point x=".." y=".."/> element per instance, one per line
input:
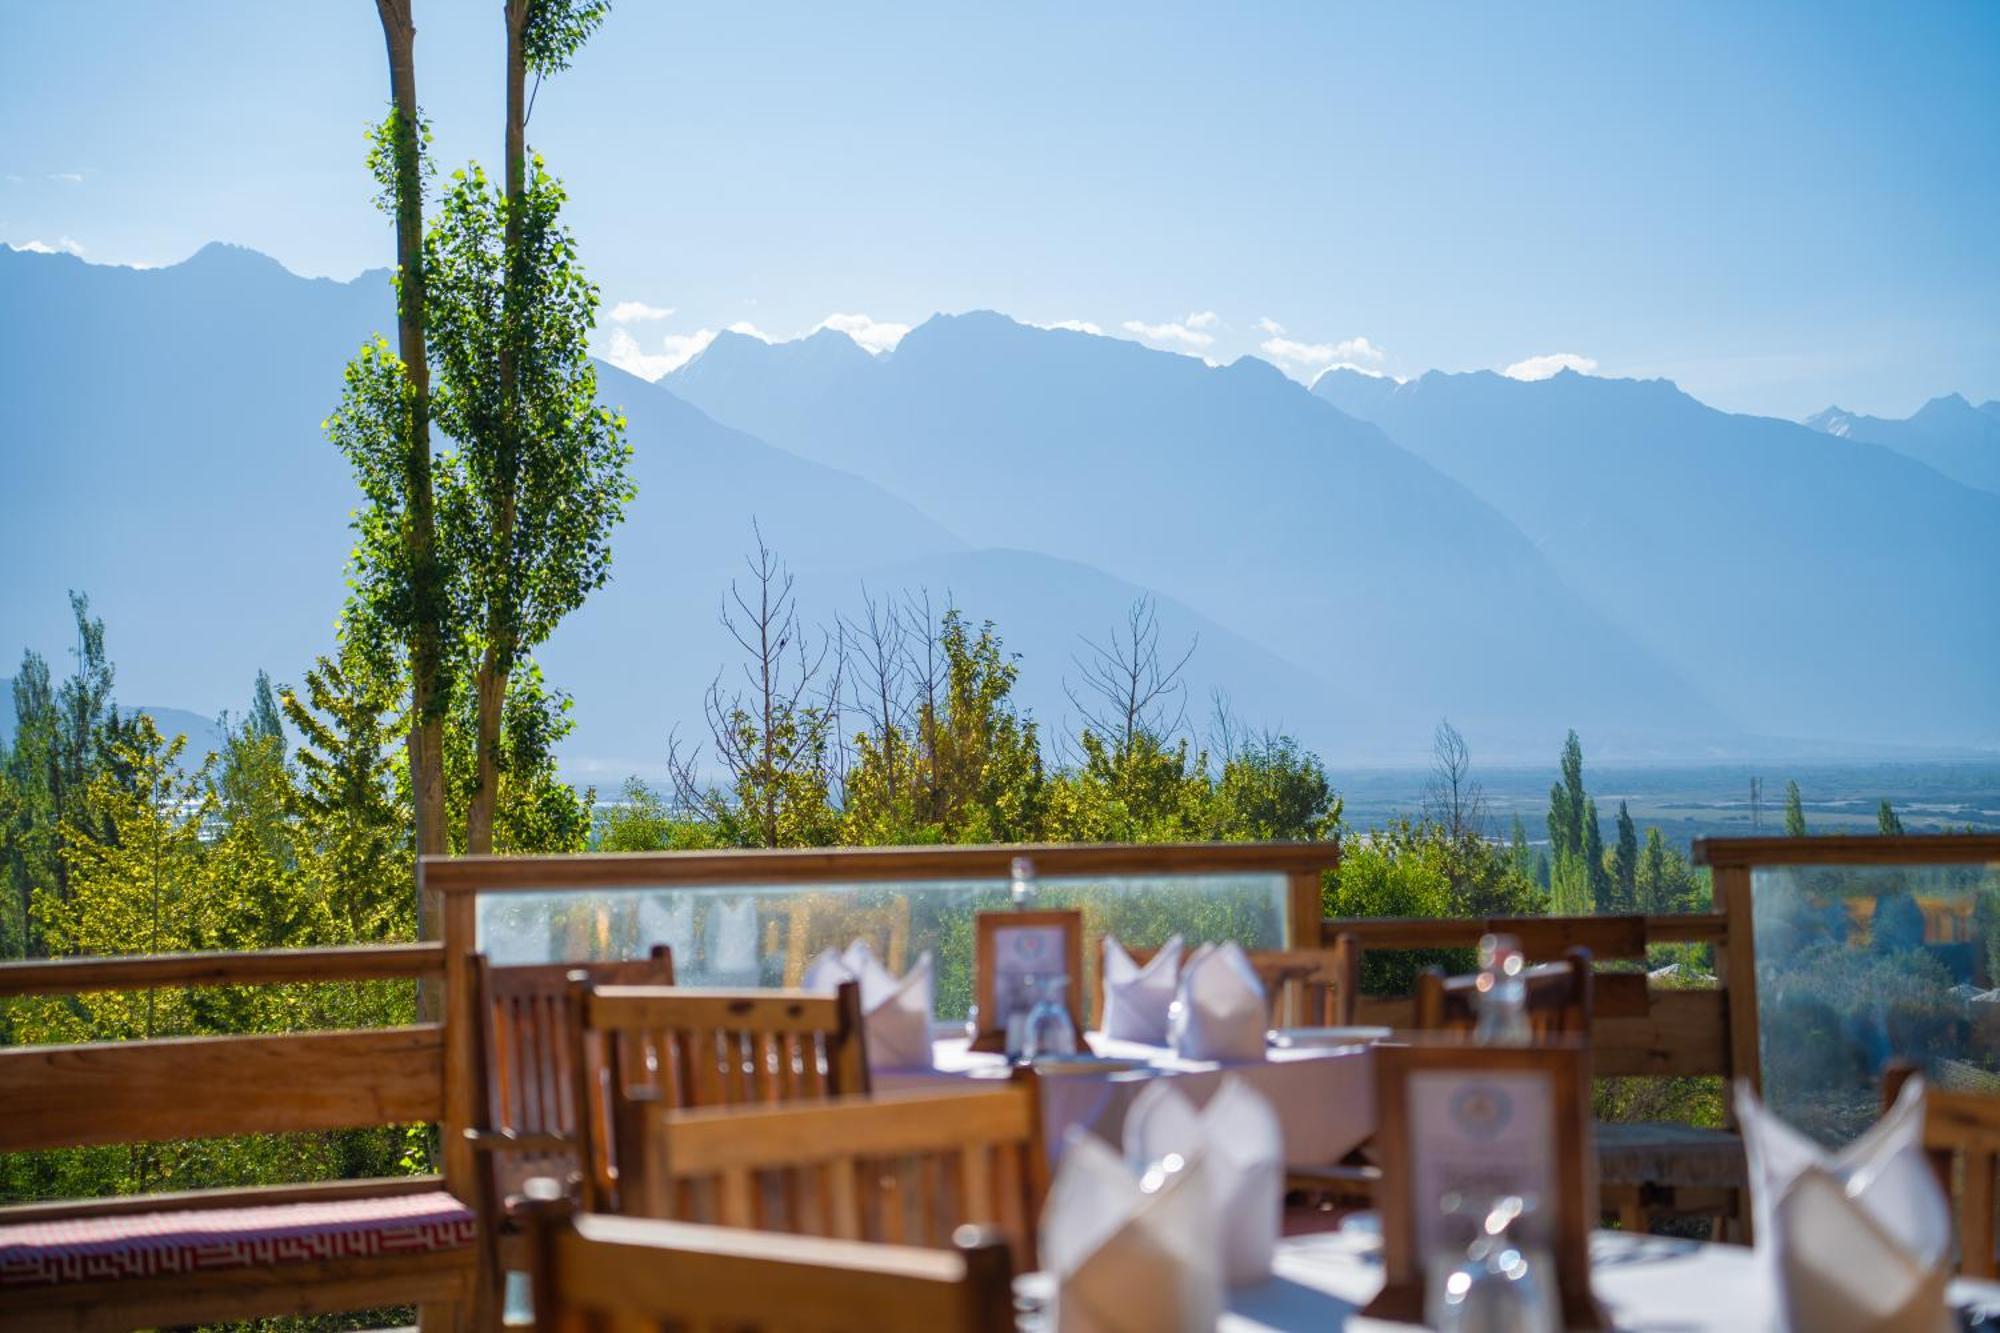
<point x="1887" y="823"/>
<point x="553" y="31"/>
<point x="527" y="502"/>
<point x="1795" y="811"/>
<point x="1624" y="866"/>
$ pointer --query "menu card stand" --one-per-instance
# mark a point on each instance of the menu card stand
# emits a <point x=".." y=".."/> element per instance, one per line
<point x="1485" y="1121"/>
<point x="1015" y="944"/>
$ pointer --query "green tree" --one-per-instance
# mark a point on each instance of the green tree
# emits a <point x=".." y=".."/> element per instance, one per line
<point x="967" y="766"/>
<point x="408" y="584"/>
<point x="1795" y="811"/>
<point x="540" y="477"/>
<point x="352" y="826"/>
<point x="1572" y="831"/>
<point x="1886" y="820"/>
<point x="1273" y="788"/>
<point x="1625" y="862"/>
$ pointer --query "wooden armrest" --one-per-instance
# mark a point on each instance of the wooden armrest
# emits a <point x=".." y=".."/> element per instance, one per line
<point x="504" y="1140"/>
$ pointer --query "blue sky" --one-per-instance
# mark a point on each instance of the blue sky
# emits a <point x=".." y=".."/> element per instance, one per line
<point x="1778" y="206"/>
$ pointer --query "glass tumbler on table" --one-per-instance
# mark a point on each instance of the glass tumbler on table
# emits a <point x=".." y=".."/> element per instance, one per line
<point x="1498" y="1285"/>
<point x="1051" y="1030"/>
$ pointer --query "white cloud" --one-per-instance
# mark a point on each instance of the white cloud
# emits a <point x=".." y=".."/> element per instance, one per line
<point x="1270" y="326"/>
<point x="676" y="350"/>
<point x="747" y="329"/>
<point x="1180" y="335"/>
<point x="1542" y="367"/>
<point x="874" y="335"/>
<point x="66" y="177"/>
<point x="63" y="246"/>
<point x="638" y="312"/>
<point x="1358" y="353"/>
<point x="1071" y="325"/>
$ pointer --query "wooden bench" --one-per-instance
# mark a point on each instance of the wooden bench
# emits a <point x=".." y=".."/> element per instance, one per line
<point x="227" y="1254"/>
<point x="1638" y="1030"/>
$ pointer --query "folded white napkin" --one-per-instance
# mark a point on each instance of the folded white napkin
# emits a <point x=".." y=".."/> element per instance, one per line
<point x="668" y="918"/>
<point x="1136" y="999"/>
<point x="1219" y="1012"/>
<point x="1237" y="1137"/>
<point x="1854" y="1240"/>
<point x="896" y="1012"/>
<point x="1126" y="1259"/>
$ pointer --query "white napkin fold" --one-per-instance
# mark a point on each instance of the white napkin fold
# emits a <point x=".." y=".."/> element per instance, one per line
<point x="1137" y="999"/>
<point x="895" y="1012"/>
<point x="1219" y="1013"/>
<point x="1854" y="1240"/>
<point x="1125" y="1260"/>
<point x="1237" y="1136"/>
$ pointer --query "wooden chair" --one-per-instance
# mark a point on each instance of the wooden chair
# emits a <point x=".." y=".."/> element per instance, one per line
<point x="1304" y="987"/>
<point x="1963" y="1129"/>
<point x="1638" y="1030"/>
<point x="529" y="1080"/>
<point x="594" y="1272"/>
<point x="682" y="1048"/>
<point x="902" y="1168"/>
<point x="1556" y="996"/>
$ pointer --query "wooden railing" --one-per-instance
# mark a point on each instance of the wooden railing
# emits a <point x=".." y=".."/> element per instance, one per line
<point x="201" y="1087"/>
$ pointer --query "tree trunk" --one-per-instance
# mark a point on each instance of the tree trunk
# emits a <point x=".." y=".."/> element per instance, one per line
<point x="497" y="661"/>
<point x="427" y="637"/>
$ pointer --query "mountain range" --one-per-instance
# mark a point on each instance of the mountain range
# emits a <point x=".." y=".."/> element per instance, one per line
<point x="1352" y="563"/>
<point x="1948" y="433"/>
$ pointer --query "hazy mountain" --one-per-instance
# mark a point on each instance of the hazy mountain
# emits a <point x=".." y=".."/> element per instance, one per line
<point x="203" y="733"/>
<point x="1844" y="594"/>
<point x="164" y="454"/>
<point x="1948" y="433"/>
<point x="1237" y="492"/>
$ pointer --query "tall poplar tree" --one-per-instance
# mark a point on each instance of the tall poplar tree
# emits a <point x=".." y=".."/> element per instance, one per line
<point x="1625" y="862"/>
<point x="1795" y="811"/>
<point x="542" y="476"/>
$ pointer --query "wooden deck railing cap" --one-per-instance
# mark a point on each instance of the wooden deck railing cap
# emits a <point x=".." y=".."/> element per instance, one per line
<point x="1857" y="849"/>
<point x="475" y="874"/>
<point x="268" y="967"/>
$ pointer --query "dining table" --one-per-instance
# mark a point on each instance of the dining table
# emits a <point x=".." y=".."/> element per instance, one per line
<point x="1323" y="1094"/>
<point x="1647" y="1284"/>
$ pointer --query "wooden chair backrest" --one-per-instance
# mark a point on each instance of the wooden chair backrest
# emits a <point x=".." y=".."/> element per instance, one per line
<point x="526" y="1064"/>
<point x="1304" y="987"/>
<point x="901" y="1168"/>
<point x="1639" y="1028"/>
<point x="1960" y="1127"/>
<point x="683" y="1048"/>
<point x="1556" y="995"/>
<point x="595" y="1272"/>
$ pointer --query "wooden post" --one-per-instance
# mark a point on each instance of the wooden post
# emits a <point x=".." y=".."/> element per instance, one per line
<point x="1736" y="964"/>
<point x="461" y="1037"/>
<point x="1303" y="912"/>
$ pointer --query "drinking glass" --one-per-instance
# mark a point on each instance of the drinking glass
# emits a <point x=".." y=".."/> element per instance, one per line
<point x="1051" y="1031"/>
<point x="1498" y="1286"/>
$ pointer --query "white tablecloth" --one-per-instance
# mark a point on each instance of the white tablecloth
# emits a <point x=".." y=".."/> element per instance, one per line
<point x="1324" y="1096"/>
<point x="1648" y="1283"/>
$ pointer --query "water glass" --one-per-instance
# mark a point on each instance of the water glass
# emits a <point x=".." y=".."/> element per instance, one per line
<point x="1051" y="1030"/>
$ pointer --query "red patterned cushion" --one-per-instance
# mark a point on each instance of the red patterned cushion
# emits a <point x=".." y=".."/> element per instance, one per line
<point x="96" y="1249"/>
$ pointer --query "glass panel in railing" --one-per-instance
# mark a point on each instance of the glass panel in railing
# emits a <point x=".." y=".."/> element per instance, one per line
<point x="1861" y="965"/>
<point x="765" y="935"/>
